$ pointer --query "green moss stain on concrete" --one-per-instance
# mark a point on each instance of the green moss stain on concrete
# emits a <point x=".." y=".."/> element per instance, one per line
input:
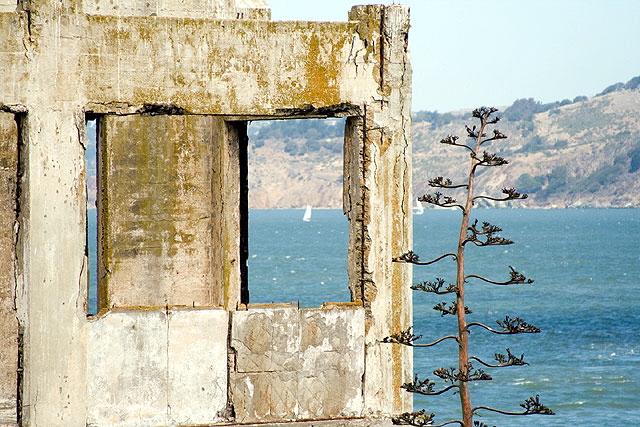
<point x="158" y="207"/>
<point x="243" y="67"/>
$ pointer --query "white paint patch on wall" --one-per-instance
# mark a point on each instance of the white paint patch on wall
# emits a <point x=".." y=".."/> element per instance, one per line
<point x="154" y="367"/>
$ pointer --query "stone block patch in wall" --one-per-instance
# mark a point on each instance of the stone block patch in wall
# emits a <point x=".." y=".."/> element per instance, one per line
<point x="266" y="340"/>
<point x="293" y="364"/>
<point x="332" y="349"/>
<point x="153" y="367"/>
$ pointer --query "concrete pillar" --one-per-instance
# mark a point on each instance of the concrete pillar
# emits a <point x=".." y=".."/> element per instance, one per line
<point x="8" y="320"/>
<point x="379" y="206"/>
<point x="231" y="205"/>
<point x="52" y="272"/>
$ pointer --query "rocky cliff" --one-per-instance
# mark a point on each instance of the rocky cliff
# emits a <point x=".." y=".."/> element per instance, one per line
<point x="581" y="153"/>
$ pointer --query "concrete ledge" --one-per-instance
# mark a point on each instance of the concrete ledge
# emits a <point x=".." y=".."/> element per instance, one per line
<point x="344" y="422"/>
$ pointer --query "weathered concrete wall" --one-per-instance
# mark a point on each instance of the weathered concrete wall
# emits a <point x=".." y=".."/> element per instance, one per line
<point x="168" y="367"/>
<point x="297" y="364"/>
<point x="157" y="211"/>
<point x="157" y="367"/>
<point x="240" y="67"/>
<point x="169" y="203"/>
<point x="212" y="66"/>
<point x="8" y="5"/>
<point x="378" y="205"/>
<point x="8" y="320"/>
<point x="63" y="63"/>
<point x="210" y="9"/>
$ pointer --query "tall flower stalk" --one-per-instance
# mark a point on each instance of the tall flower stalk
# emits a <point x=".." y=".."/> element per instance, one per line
<point x="485" y="234"/>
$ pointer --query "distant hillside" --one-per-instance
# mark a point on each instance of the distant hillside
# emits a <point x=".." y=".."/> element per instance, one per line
<point x="295" y="162"/>
<point x="571" y="153"/>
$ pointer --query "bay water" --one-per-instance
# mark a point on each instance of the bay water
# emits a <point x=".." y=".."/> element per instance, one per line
<point x="585" y="364"/>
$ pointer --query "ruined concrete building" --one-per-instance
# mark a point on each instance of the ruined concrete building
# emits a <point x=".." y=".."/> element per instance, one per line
<point x="172" y="85"/>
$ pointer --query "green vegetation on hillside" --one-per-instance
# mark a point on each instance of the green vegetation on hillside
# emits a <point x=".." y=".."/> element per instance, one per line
<point x="301" y="136"/>
<point x="633" y="84"/>
<point x="580" y="152"/>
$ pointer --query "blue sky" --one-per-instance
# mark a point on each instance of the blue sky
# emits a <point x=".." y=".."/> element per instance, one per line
<point x="545" y="49"/>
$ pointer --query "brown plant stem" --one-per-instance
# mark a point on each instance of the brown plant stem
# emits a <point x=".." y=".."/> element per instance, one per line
<point x="463" y="331"/>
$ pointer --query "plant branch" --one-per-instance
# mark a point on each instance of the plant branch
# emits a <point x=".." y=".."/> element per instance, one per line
<point x="514" y="279"/>
<point x="452" y="140"/>
<point x="439" y="340"/>
<point x="509" y="326"/>
<point x="417" y="419"/>
<point x="407" y="337"/>
<point x="456" y="375"/>
<point x="441" y="200"/>
<point x="440" y="182"/>
<point x="488" y="230"/>
<point x="490" y="241"/>
<point x="447" y="423"/>
<point x="473" y="132"/>
<point x="435" y="287"/>
<point x="413" y="258"/>
<point x="420" y="419"/>
<point x="532" y="406"/>
<point x="511" y="194"/>
<point x="489" y="160"/>
<point x="452" y="309"/>
<point x="425" y="387"/>
<point x="496" y="134"/>
<point x="503" y="361"/>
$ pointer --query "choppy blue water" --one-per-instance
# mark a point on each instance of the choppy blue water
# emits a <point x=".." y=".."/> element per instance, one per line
<point x="295" y="261"/>
<point x="586" y="299"/>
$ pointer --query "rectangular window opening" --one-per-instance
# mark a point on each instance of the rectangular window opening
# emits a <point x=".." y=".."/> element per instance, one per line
<point x="160" y="200"/>
<point x="297" y="233"/>
<point x="91" y="176"/>
<point x="294" y="237"/>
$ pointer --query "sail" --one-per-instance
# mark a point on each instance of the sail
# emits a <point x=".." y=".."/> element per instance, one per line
<point x="307" y="214"/>
<point x="418" y="208"/>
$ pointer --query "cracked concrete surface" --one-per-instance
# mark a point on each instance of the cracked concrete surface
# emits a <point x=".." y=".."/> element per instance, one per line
<point x="298" y="364"/>
<point x="172" y="84"/>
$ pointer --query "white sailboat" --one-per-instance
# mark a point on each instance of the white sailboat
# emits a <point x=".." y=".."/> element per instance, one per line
<point x="307" y="214"/>
<point x="418" y="209"/>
